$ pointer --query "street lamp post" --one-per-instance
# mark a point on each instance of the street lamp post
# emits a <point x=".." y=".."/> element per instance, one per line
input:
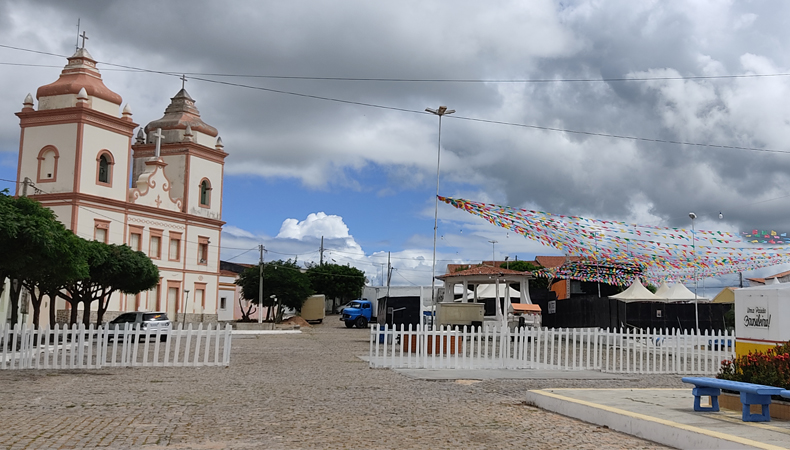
<point x="441" y="111"/>
<point x="693" y="216"/>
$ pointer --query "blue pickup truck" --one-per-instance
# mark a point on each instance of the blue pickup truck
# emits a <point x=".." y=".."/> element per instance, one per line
<point x="358" y="312"/>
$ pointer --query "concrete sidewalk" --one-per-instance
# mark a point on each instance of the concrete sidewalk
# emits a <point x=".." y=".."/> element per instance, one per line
<point x="508" y="374"/>
<point x="665" y="416"/>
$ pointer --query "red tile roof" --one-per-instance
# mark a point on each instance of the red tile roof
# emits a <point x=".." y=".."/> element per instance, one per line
<point x="481" y="270"/>
<point x="555" y="261"/>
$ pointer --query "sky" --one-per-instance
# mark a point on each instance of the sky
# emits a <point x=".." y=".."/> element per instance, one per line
<point x="321" y="107"/>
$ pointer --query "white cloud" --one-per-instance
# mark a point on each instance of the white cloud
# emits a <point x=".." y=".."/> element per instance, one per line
<point x="316" y="225"/>
<point x="325" y="144"/>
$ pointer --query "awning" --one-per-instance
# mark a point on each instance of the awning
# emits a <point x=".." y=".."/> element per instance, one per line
<point x="525" y="308"/>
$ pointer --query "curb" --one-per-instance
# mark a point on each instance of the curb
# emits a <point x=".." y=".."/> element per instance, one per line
<point x="662" y="431"/>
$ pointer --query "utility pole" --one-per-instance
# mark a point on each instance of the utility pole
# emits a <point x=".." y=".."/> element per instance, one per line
<point x="389" y="273"/>
<point x="260" y="285"/>
<point x="321" y="251"/>
<point x="25" y="183"/>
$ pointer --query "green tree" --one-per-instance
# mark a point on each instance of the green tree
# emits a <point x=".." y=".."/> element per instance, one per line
<point x="526" y="266"/>
<point x="51" y="276"/>
<point x="283" y="280"/>
<point x="111" y="268"/>
<point x="336" y="282"/>
<point x="34" y="246"/>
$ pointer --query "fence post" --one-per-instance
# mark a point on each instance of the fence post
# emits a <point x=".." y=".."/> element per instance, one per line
<point x="228" y="338"/>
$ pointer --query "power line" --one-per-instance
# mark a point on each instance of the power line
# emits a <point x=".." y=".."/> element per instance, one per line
<point x="484" y="80"/>
<point x="619" y="136"/>
<point x="240" y="254"/>
<point x="397" y="272"/>
<point x="406" y="80"/>
<point x="113" y="219"/>
<point x="473" y="119"/>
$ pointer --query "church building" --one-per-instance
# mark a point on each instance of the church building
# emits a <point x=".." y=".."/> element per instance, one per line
<point x="158" y="190"/>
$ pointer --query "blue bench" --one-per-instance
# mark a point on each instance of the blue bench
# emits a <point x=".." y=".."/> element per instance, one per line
<point x="751" y="394"/>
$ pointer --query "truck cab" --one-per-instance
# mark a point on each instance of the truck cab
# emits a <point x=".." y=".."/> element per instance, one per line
<point x="357" y="312"/>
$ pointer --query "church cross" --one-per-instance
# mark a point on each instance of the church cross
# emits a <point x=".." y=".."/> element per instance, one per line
<point x="158" y="135"/>
<point x="183" y="80"/>
<point x="83" y="39"/>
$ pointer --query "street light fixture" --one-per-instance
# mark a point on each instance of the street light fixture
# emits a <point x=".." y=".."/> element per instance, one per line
<point x="693" y="216"/>
<point x="442" y="111"/>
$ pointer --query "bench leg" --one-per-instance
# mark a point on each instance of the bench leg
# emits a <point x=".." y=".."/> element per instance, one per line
<point x="747" y="400"/>
<point x="713" y="393"/>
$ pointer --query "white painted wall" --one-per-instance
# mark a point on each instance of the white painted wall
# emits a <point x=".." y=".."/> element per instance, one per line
<point x="64" y="138"/>
<point x="198" y="169"/>
<point x="94" y="140"/>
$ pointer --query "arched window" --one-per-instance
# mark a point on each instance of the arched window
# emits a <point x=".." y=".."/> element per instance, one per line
<point x="205" y="193"/>
<point x="104" y="163"/>
<point x="47" y="164"/>
<point x="104" y="169"/>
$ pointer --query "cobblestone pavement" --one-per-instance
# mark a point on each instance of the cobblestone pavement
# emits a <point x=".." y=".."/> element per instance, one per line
<point x="291" y="391"/>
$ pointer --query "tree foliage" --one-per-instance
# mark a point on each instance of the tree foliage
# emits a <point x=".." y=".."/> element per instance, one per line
<point x="336" y="282"/>
<point x="37" y="251"/>
<point x="45" y="258"/>
<point x="526" y="266"/>
<point x="111" y="268"/>
<point x="282" y="279"/>
<point x="49" y="278"/>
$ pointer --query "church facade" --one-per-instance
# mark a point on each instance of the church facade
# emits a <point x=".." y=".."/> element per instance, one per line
<point x="158" y="190"/>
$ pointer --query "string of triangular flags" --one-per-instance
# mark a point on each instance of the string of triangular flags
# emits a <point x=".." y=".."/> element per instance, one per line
<point x="665" y="253"/>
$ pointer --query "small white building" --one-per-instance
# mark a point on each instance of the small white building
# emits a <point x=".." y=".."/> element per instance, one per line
<point x="161" y="194"/>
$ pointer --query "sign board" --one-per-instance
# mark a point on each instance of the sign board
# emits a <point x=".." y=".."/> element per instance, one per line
<point x="762" y="317"/>
<point x="552" y="306"/>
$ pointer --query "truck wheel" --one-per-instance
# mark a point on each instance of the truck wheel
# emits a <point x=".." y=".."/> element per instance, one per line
<point x="349" y="324"/>
<point x="362" y="322"/>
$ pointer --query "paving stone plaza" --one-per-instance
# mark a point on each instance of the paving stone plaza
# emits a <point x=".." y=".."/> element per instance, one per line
<point x="291" y="391"/>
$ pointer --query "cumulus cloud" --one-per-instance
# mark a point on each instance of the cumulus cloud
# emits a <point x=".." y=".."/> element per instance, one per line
<point x="327" y="145"/>
<point x="316" y="225"/>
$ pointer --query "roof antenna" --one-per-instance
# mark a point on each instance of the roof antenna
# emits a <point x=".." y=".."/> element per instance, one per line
<point x="77" y="45"/>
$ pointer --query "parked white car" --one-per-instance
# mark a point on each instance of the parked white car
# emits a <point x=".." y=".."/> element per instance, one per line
<point x="146" y="322"/>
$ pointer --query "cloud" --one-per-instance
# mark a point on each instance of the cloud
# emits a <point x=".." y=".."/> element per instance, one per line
<point x="277" y="129"/>
<point x="316" y="225"/>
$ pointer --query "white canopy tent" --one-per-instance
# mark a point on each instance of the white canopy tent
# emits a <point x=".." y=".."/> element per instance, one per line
<point x="636" y="293"/>
<point x="497" y="291"/>
<point x="662" y="290"/>
<point x="680" y="293"/>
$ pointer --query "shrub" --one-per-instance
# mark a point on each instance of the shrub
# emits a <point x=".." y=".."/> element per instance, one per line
<point x="771" y="368"/>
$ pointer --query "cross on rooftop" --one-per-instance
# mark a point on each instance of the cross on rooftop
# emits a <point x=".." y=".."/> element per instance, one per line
<point x="83" y="36"/>
<point x="183" y="80"/>
<point x="158" y="135"/>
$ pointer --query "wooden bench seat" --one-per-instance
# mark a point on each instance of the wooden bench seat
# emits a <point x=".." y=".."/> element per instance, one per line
<point x="751" y="394"/>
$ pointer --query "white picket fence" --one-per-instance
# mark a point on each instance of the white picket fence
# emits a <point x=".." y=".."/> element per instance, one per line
<point x="491" y="347"/>
<point x="94" y="348"/>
